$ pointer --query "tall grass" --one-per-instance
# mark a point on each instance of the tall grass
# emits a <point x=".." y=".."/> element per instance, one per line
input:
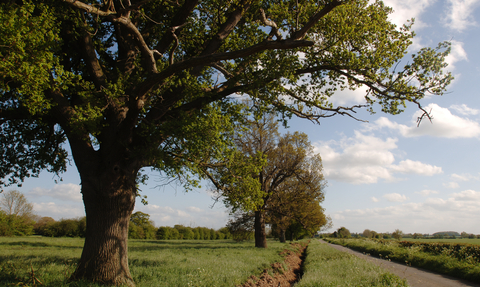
<point x="326" y="266"/>
<point x="152" y="263"/>
<point x="443" y="263"/>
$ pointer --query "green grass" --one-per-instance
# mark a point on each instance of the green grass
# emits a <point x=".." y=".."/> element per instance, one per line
<point x="326" y="266"/>
<point x="414" y="256"/>
<point x="152" y="263"/>
<point x="459" y="240"/>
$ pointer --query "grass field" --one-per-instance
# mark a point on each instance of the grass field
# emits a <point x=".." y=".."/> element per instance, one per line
<point x="183" y="263"/>
<point x="152" y="263"/>
<point x="459" y="240"/>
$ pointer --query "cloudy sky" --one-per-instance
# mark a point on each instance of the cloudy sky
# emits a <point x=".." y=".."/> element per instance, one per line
<point x="383" y="174"/>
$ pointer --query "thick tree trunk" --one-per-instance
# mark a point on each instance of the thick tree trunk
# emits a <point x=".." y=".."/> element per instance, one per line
<point x="109" y="198"/>
<point x="282" y="235"/>
<point x="260" y="234"/>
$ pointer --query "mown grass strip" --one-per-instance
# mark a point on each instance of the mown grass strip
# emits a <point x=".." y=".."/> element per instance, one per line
<point x="414" y="256"/>
<point x="326" y="266"/>
<point x="152" y="263"/>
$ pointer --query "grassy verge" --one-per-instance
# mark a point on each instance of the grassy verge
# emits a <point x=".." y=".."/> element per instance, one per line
<point x="326" y="266"/>
<point x="152" y="263"/>
<point x="413" y="256"/>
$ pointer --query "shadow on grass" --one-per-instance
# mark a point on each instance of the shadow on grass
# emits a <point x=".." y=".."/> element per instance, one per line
<point x="39" y="244"/>
<point x="188" y="244"/>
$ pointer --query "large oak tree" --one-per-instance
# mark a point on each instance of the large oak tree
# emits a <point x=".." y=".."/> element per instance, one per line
<point x="150" y="83"/>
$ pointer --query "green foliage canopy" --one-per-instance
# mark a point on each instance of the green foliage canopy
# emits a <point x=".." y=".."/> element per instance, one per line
<point x="157" y="77"/>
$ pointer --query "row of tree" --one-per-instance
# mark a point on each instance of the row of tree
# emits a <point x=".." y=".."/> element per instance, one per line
<point x="141" y="227"/>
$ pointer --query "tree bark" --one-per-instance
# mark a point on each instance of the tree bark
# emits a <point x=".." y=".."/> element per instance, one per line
<point x="282" y="235"/>
<point x="109" y="198"/>
<point x="260" y="234"/>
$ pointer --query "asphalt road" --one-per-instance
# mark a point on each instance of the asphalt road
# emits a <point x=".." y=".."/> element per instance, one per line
<point x="416" y="277"/>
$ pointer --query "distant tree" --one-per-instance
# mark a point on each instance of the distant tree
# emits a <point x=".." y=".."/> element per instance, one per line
<point x="241" y="226"/>
<point x="14" y="202"/>
<point x="464" y="235"/>
<point x="185" y="232"/>
<point x="141" y="227"/>
<point x="367" y="233"/>
<point x="417" y="236"/>
<point x="13" y="225"/>
<point x="289" y="178"/>
<point x="342" y="232"/>
<point x="74" y="227"/>
<point x="297" y="200"/>
<point x="41" y="224"/>
<point x="397" y="234"/>
<point x="163" y="233"/>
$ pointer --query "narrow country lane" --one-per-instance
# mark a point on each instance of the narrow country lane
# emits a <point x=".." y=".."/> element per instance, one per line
<point x="415" y="277"/>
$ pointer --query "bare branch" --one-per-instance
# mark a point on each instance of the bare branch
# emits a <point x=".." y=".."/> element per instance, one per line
<point x="271" y="24"/>
<point x="214" y="58"/>
<point x="145" y="50"/>
<point x="89" y="8"/>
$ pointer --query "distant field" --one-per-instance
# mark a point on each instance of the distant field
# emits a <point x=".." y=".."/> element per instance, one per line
<point x="459" y="240"/>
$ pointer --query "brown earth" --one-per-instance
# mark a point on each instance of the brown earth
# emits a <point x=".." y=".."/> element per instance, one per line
<point x="281" y="277"/>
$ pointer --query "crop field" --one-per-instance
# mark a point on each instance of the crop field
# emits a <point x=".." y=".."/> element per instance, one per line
<point x="475" y="241"/>
<point x="50" y="261"/>
<point x="455" y="259"/>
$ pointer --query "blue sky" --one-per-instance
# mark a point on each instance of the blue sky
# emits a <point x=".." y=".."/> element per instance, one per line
<point x="382" y="175"/>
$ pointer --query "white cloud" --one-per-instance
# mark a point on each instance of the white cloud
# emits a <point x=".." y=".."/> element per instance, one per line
<point x="444" y="124"/>
<point x="56" y="211"/>
<point x="374" y="199"/>
<point x="460" y="14"/>
<point x="395" y="197"/>
<point x="459" y="212"/>
<point x="66" y="192"/>
<point x="451" y="184"/>
<point x="464" y="110"/>
<point x="416" y="167"/>
<point x="457" y="54"/>
<point x="467" y="195"/>
<point x="358" y="160"/>
<point x="406" y="9"/>
<point x="365" y="159"/>
<point x="463" y="177"/>
<point x="349" y="97"/>
<point x="427" y="192"/>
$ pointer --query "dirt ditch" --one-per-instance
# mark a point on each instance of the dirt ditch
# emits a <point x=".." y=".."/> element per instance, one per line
<point x="283" y="274"/>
